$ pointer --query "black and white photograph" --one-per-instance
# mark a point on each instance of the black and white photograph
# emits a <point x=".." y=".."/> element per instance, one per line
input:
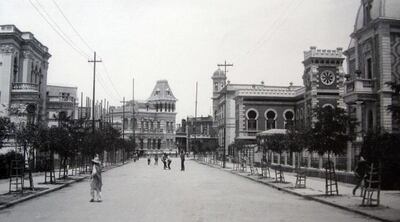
<point x="199" y="110"/>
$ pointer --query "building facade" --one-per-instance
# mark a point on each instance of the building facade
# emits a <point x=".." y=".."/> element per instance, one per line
<point x="23" y="75"/>
<point x="150" y="122"/>
<point x="373" y="59"/>
<point x="61" y="103"/>
<point x="243" y="110"/>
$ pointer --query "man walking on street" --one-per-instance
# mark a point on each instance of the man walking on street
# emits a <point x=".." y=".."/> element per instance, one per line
<point x="156" y="159"/>
<point x="169" y="162"/>
<point x="182" y="161"/>
<point x="96" y="180"/>
<point x="360" y="173"/>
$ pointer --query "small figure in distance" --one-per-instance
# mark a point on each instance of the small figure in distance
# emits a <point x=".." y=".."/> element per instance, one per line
<point x="148" y="160"/>
<point x="156" y="159"/>
<point x="169" y="162"/>
<point x="182" y="161"/>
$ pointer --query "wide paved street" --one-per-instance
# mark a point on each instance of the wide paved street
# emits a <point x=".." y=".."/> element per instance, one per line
<point x="137" y="192"/>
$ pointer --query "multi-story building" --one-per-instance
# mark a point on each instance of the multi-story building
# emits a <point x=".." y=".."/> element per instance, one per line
<point x="151" y="122"/>
<point x="243" y="110"/>
<point x="23" y="75"/>
<point x="61" y="103"/>
<point x="373" y="59"/>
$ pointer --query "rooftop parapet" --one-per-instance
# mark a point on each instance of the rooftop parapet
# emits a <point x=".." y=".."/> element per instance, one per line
<point x="28" y="36"/>
<point x="323" y="53"/>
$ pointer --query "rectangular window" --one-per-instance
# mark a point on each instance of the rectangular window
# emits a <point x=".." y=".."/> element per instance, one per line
<point x="369" y="68"/>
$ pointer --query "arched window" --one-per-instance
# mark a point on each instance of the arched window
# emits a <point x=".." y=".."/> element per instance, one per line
<point x="252" y="120"/>
<point x="271" y="119"/>
<point x="33" y="73"/>
<point x="289" y="118"/>
<point x="173" y="107"/>
<point x="165" y="107"/>
<point x="156" y="107"/>
<point x="169" y="107"/>
<point x="15" y="70"/>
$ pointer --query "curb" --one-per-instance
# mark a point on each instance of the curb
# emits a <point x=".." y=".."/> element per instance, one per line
<point x="307" y="197"/>
<point x="41" y="193"/>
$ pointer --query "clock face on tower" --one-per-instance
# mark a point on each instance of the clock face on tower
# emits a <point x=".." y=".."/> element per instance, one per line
<point x="327" y="77"/>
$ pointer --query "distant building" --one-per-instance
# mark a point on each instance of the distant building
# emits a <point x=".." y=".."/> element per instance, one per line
<point x="23" y="75"/>
<point x="61" y="103"/>
<point x="153" y="120"/>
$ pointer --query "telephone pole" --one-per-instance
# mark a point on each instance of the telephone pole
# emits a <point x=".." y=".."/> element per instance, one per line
<point x="133" y="114"/>
<point x="225" y="122"/>
<point x="123" y="129"/>
<point x="94" y="61"/>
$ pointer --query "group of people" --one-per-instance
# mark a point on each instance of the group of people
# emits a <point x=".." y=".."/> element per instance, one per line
<point x="166" y="160"/>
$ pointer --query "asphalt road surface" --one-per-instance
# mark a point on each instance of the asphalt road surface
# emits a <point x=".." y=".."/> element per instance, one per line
<point x="138" y="192"/>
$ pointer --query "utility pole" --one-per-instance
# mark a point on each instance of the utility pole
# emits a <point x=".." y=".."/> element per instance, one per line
<point x="195" y="118"/>
<point x="133" y="114"/>
<point x="81" y="105"/>
<point x="94" y="61"/>
<point x="225" y="120"/>
<point x="123" y="128"/>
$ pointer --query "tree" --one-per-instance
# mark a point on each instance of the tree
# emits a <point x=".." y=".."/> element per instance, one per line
<point x="5" y="129"/>
<point x="330" y="134"/>
<point x="297" y="140"/>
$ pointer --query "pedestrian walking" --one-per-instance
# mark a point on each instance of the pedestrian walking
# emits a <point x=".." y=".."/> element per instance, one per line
<point x="156" y="159"/>
<point x="95" y="180"/>
<point x="148" y="160"/>
<point x="169" y="161"/>
<point x="182" y="161"/>
<point x="164" y="160"/>
<point x="360" y="173"/>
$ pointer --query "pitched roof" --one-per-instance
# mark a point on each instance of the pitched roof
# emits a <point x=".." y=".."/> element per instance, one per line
<point x="162" y="92"/>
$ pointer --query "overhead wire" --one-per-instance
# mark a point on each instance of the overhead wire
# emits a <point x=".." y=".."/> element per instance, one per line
<point x="56" y="31"/>
<point x="56" y="28"/>
<point x="72" y="26"/>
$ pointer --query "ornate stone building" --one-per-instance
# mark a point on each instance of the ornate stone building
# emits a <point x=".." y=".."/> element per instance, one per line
<point x="243" y="110"/>
<point x="153" y="120"/>
<point x="23" y="75"/>
<point x="373" y="58"/>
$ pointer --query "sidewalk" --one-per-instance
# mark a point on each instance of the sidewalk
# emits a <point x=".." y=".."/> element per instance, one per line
<point x="9" y="199"/>
<point x="389" y="209"/>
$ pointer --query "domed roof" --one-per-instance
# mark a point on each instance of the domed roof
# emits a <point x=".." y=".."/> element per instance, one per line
<point x="388" y="9"/>
<point x="219" y="73"/>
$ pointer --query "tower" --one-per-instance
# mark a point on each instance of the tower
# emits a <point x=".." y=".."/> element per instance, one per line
<point x="219" y="81"/>
<point x="323" y="79"/>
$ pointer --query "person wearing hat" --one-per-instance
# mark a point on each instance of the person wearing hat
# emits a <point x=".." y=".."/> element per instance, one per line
<point x="95" y="180"/>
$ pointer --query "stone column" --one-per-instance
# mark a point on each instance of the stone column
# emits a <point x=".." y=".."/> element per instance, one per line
<point x="385" y="69"/>
<point x="26" y="66"/>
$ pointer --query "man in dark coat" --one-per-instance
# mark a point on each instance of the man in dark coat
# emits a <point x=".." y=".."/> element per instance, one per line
<point x="360" y="173"/>
<point x="182" y="161"/>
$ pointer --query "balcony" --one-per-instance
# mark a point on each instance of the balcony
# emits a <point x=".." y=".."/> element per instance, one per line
<point x="24" y="92"/>
<point x="25" y="87"/>
<point x="359" y="90"/>
<point x="60" y="99"/>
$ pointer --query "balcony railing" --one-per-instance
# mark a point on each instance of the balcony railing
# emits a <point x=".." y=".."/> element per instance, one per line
<point x="360" y="85"/>
<point x="20" y="86"/>
<point x="60" y="99"/>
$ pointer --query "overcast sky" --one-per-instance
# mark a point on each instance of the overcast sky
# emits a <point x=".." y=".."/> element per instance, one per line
<point x="181" y="41"/>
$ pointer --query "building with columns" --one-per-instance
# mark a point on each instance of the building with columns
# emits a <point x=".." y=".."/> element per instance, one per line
<point x="151" y="122"/>
<point x="23" y="75"/>
<point x="373" y="59"/>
